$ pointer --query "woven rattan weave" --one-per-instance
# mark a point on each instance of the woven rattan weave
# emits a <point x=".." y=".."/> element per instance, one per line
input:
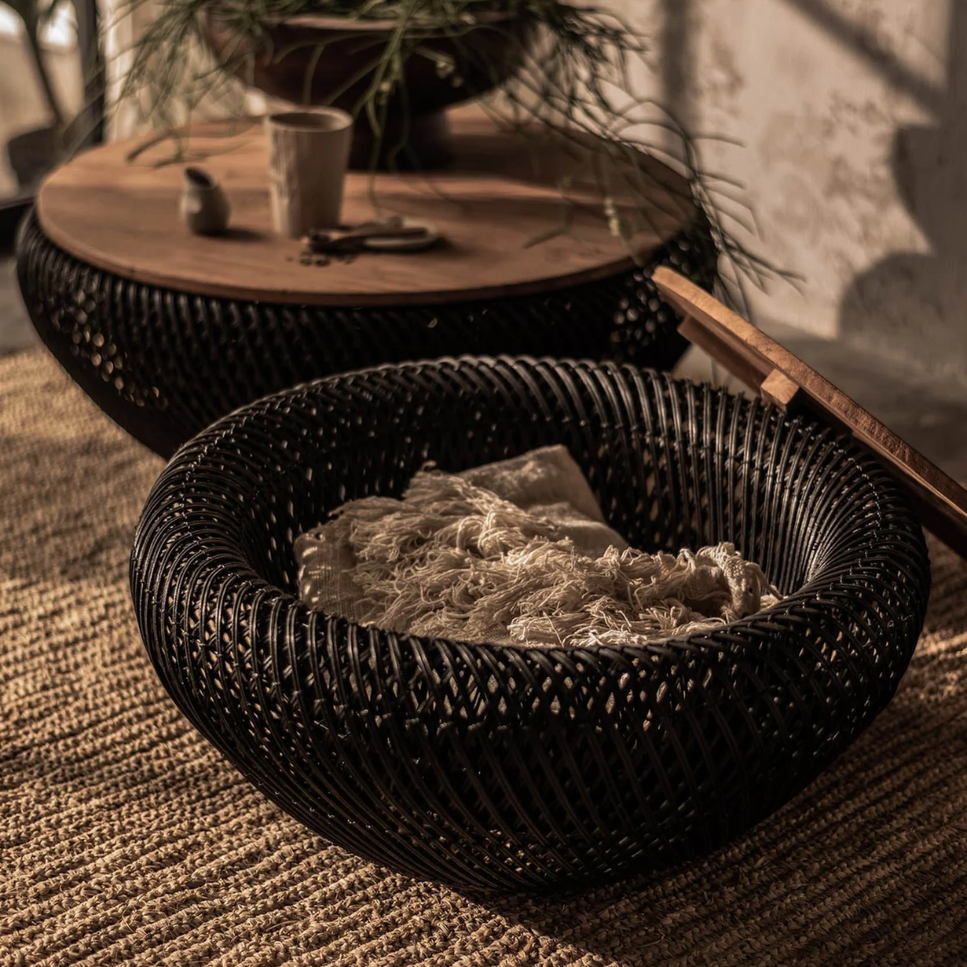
<point x="498" y="769"/>
<point x="164" y="364"/>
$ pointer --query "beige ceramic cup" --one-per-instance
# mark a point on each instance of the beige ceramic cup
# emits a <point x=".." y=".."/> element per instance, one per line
<point x="308" y="155"/>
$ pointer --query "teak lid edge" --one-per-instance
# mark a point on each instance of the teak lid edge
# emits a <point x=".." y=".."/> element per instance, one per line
<point x="781" y="377"/>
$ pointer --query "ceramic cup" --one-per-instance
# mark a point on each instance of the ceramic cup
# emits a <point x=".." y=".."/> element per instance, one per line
<point x="204" y="206"/>
<point x="308" y="155"/>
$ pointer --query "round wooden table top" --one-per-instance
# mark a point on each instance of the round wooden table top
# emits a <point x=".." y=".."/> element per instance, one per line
<point x="508" y="228"/>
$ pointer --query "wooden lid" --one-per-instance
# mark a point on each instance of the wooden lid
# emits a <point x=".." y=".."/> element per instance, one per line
<point x="782" y="378"/>
<point x="500" y="196"/>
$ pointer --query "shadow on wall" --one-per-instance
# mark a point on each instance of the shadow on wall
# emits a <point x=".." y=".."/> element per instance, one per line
<point x="910" y="304"/>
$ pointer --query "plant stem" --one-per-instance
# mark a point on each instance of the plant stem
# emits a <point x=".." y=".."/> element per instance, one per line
<point x="31" y="29"/>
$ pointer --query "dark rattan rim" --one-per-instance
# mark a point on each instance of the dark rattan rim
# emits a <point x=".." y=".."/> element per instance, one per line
<point x="493" y="768"/>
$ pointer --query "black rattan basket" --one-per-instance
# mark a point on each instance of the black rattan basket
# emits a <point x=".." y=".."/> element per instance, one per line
<point x="501" y="769"/>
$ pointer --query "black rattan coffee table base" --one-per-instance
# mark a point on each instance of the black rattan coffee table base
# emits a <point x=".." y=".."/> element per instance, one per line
<point x="165" y="364"/>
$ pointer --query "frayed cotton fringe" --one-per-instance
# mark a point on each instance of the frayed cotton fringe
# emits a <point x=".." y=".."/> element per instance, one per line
<point x="453" y="560"/>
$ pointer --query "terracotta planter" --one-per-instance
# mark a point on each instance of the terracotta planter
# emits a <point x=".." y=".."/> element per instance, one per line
<point x="330" y="61"/>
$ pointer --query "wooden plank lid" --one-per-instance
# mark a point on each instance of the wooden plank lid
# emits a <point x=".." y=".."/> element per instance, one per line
<point x="784" y="379"/>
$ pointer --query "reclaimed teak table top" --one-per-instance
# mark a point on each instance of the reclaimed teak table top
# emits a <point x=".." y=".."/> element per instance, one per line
<point x="498" y="206"/>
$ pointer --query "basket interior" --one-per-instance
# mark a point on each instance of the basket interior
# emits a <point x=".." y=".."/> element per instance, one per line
<point x="691" y="467"/>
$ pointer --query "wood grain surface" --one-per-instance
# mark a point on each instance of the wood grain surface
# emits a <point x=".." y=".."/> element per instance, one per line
<point x="116" y="207"/>
<point x="782" y="377"/>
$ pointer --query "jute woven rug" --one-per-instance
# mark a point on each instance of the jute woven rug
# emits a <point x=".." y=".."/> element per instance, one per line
<point x="125" y="839"/>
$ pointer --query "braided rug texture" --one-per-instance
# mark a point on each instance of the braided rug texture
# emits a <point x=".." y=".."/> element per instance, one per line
<point x="126" y="839"/>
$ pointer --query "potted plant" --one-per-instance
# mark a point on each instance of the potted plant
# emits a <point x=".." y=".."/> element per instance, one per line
<point x="558" y="69"/>
<point x="393" y="64"/>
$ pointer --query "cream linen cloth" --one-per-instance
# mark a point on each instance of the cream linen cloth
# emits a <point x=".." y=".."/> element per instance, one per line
<point x="514" y="553"/>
